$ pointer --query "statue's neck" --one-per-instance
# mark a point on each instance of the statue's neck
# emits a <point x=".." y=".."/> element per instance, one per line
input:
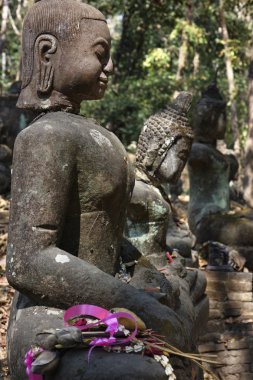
<point x="55" y="101"/>
<point x="206" y="140"/>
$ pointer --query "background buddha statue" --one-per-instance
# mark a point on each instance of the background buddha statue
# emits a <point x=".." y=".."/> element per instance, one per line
<point x="210" y="172"/>
<point x="208" y="168"/>
<point x="162" y="152"/>
<point x="163" y="148"/>
<point x="71" y="186"/>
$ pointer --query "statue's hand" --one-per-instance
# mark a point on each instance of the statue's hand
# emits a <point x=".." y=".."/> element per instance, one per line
<point x="167" y="323"/>
<point x="161" y="319"/>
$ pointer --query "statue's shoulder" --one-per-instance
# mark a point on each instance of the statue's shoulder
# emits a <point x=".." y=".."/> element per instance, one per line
<point x="60" y="128"/>
<point x="51" y="126"/>
<point x="200" y="152"/>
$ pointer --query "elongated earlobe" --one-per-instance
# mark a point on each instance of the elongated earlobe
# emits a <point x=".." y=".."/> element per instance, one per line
<point x="46" y="46"/>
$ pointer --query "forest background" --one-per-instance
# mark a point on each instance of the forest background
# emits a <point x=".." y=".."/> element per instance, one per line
<point x="161" y="47"/>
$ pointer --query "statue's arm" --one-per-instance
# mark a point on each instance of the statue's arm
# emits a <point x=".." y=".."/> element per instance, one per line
<point x="199" y="155"/>
<point x="41" y="186"/>
<point x="43" y="175"/>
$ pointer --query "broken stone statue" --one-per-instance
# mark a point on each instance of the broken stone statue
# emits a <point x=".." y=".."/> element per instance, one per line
<point x="210" y="172"/>
<point x="163" y="148"/>
<point x="71" y="186"/>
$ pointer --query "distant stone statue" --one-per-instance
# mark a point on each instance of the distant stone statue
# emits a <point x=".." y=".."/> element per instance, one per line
<point x="12" y="121"/>
<point x="163" y="149"/>
<point x="210" y="172"/>
<point x="208" y="168"/>
<point x="71" y="186"/>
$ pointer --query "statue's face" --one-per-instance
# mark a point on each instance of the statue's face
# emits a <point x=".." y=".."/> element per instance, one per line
<point x="84" y="64"/>
<point x="210" y="120"/>
<point x="175" y="160"/>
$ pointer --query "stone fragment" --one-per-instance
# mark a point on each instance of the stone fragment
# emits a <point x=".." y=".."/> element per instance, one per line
<point x="211" y="347"/>
<point x="234" y="368"/>
<point x="239" y="296"/>
<point x="234" y="356"/>
<point x="237" y="345"/>
<point x="246" y="376"/>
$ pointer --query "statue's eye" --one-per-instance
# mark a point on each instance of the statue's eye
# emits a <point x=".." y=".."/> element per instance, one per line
<point x="100" y="51"/>
<point x="102" y="54"/>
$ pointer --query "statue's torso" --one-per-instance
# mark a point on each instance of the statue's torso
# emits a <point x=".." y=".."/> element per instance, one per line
<point x="209" y="181"/>
<point x="93" y="164"/>
<point x="148" y="218"/>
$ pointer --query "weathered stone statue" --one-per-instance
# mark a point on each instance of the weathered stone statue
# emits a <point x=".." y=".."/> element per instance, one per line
<point x="208" y="168"/>
<point x="71" y="186"/>
<point x="162" y="152"/>
<point x="210" y="172"/>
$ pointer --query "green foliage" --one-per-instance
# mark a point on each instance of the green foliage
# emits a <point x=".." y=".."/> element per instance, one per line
<point x="146" y="58"/>
<point x="10" y="43"/>
<point x="147" y="38"/>
<point x="12" y="59"/>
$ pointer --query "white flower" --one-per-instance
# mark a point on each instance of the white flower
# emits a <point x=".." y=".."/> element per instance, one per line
<point x="164" y="360"/>
<point x="168" y="370"/>
<point x="126" y="332"/>
<point x="138" y="347"/>
<point x="157" y="358"/>
<point x="172" y="377"/>
<point x="89" y="320"/>
<point x="128" y="349"/>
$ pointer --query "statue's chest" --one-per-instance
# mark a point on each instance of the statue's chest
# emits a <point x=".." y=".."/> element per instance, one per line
<point x="102" y="170"/>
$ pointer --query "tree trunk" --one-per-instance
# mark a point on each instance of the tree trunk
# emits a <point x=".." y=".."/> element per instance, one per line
<point x="4" y="22"/>
<point x="196" y="64"/>
<point x="248" y="178"/>
<point x="183" y="50"/>
<point x="182" y="58"/>
<point x="231" y="80"/>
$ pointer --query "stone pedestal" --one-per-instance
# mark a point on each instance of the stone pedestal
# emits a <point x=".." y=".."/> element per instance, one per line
<point x="229" y="333"/>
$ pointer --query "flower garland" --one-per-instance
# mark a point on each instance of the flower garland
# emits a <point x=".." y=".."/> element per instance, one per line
<point x="90" y="326"/>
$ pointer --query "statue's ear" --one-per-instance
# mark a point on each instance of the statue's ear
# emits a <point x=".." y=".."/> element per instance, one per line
<point x="45" y="47"/>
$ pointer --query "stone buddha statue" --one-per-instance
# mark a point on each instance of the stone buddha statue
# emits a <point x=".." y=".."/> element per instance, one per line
<point x="163" y="149"/>
<point x="208" y="168"/>
<point x="71" y="186"/>
<point x="210" y="172"/>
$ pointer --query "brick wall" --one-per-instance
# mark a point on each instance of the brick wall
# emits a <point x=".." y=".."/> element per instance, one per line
<point x="229" y="332"/>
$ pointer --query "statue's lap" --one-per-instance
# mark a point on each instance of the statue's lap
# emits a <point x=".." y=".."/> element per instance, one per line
<point x="26" y="321"/>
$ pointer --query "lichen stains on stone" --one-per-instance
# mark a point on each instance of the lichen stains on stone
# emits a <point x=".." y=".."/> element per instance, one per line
<point x="99" y="138"/>
<point x="52" y="312"/>
<point x="62" y="259"/>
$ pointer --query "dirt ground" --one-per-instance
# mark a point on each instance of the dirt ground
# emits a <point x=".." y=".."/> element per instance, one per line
<point x="6" y="292"/>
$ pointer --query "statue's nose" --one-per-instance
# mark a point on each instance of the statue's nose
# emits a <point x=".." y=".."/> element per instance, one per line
<point x="108" y="69"/>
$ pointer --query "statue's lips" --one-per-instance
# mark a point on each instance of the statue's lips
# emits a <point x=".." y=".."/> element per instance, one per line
<point x="103" y="82"/>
